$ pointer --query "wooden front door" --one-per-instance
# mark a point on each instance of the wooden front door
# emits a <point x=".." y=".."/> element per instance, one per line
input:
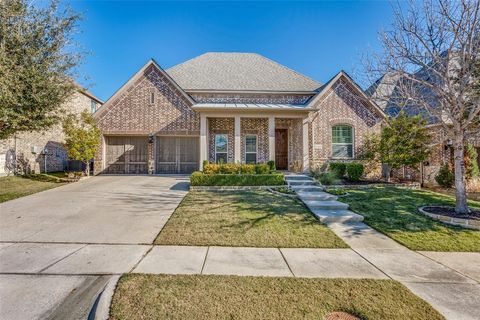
<point x="281" y="149"/>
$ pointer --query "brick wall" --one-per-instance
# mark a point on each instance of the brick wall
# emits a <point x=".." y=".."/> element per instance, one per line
<point x="52" y="139"/>
<point x="133" y="113"/>
<point x="258" y="126"/>
<point x="341" y="105"/>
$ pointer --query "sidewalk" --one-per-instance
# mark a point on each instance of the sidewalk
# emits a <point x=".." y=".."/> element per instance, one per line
<point x="448" y="281"/>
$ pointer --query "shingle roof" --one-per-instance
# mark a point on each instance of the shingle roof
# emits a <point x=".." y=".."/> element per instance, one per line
<point x="222" y="71"/>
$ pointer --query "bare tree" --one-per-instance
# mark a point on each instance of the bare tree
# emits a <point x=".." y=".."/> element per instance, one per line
<point x="428" y="65"/>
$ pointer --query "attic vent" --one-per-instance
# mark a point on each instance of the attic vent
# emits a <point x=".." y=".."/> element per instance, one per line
<point x="152" y="97"/>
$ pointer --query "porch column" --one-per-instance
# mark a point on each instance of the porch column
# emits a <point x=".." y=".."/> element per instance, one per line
<point x="237" y="142"/>
<point x="271" y="138"/>
<point x="306" y="153"/>
<point x="203" y="140"/>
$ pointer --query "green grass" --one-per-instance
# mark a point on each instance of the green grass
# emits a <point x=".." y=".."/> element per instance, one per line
<point x="19" y="186"/>
<point x="245" y="219"/>
<point x="393" y="211"/>
<point x="140" y="296"/>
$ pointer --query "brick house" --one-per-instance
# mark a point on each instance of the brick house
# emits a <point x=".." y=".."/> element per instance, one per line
<point x="231" y="107"/>
<point x="386" y="93"/>
<point x="26" y="150"/>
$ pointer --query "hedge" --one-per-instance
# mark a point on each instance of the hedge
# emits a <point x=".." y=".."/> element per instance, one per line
<point x="201" y="179"/>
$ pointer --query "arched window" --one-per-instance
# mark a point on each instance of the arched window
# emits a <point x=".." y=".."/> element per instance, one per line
<point x="342" y="141"/>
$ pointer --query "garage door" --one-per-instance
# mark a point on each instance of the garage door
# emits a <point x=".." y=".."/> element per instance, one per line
<point x="126" y="155"/>
<point x="177" y="154"/>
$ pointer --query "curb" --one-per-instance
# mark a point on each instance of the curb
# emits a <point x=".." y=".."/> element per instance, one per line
<point x="101" y="307"/>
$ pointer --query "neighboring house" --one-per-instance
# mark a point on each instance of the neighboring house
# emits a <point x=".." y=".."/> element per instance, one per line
<point x="231" y="107"/>
<point x="387" y="94"/>
<point x="26" y="150"/>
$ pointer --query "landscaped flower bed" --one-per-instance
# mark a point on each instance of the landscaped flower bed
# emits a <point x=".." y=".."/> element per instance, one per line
<point x="231" y="174"/>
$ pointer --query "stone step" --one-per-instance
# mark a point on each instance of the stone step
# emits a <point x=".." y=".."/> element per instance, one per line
<point x="337" y="216"/>
<point x="301" y="182"/>
<point x="326" y="205"/>
<point x="318" y="195"/>
<point x="307" y="188"/>
<point x="298" y="177"/>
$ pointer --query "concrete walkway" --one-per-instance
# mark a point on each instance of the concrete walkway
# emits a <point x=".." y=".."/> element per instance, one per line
<point x="322" y="204"/>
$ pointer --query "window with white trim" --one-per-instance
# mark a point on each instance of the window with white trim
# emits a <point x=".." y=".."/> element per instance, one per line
<point x="221" y="148"/>
<point x="251" y="148"/>
<point x="342" y="141"/>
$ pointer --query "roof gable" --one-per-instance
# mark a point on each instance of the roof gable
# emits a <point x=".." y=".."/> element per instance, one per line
<point x="342" y="75"/>
<point x="138" y="75"/>
<point x="222" y="71"/>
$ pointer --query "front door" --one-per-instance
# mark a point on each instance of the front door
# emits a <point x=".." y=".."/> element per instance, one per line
<point x="281" y="149"/>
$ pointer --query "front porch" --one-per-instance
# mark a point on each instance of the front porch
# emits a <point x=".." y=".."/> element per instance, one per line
<point x="255" y="138"/>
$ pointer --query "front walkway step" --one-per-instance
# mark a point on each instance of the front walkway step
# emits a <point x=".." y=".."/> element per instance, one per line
<point x="298" y="177"/>
<point x="337" y="215"/>
<point x="301" y="182"/>
<point x="307" y="188"/>
<point x="317" y="195"/>
<point x="326" y="205"/>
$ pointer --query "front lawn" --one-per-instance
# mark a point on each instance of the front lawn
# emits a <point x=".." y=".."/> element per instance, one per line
<point x="245" y="219"/>
<point x="19" y="186"/>
<point x="140" y="296"/>
<point x="393" y="211"/>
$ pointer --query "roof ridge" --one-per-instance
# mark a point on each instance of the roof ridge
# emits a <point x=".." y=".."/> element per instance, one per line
<point x="289" y="69"/>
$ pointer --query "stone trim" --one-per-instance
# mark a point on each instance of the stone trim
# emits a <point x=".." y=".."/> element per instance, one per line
<point x="229" y="188"/>
<point x="465" y="223"/>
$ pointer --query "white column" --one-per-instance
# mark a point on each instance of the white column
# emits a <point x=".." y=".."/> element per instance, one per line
<point x="203" y="140"/>
<point x="237" y="143"/>
<point x="306" y="154"/>
<point x="271" y="138"/>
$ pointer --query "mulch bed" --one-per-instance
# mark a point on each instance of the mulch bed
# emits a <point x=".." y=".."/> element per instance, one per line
<point x="339" y="315"/>
<point x="450" y="212"/>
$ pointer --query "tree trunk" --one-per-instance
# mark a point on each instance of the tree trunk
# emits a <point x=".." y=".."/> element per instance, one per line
<point x="460" y="187"/>
<point x="87" y="168"/>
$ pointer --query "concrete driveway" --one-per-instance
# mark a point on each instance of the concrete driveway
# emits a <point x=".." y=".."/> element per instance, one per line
<point x="59" y="248"/>
<point x="103" y="209"/>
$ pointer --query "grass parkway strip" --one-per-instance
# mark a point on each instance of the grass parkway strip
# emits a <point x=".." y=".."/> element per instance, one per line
<point x="230" y="297"/>
<point x="393" y="211"/>
<point x="245" y="219"/>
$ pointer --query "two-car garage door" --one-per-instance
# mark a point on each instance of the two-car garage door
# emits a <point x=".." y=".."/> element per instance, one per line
<point x="129" y="155"/>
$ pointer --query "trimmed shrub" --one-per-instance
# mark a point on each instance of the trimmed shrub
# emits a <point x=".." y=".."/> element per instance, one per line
<point x="230" y="168"/>
<point x="354" y="171"/>
<point x="247" y="169"/>
<point x="271" y="165"/>
<point x="327" y="178"/>
<point x="205" y="163"/>
<point x="445" y="177"/>
<point x="339" y="168"/>
<point x="262" y="169"/>
<point x="211" y="168"/>
<point x="201" y="179"/>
